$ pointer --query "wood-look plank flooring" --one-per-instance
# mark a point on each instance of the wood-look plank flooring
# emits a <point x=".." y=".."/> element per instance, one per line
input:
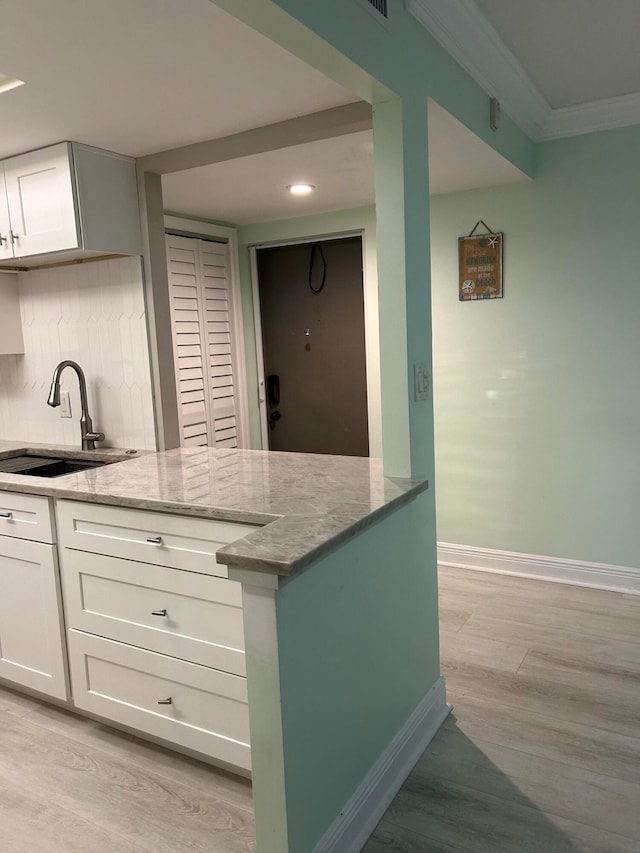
<point x="71" y="785"/>
<point x="540" y="755"/>
<point x="542" y="751"/>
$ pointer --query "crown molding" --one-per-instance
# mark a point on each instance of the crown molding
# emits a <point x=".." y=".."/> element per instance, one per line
<point x="465" y="33"/>
<point x="593" y="116"/>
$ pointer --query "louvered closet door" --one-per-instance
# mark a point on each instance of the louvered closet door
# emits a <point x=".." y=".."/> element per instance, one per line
<point x="201" y="318"/>
<point x="214" y="264"/>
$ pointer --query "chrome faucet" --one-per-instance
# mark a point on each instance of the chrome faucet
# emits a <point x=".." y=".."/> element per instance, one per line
<point x="89" y="437"/>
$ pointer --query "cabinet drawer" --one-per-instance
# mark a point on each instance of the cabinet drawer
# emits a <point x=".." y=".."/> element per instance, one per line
<point x="207" y="710"/>
<point x="26" y="517"/>
<point x="123" y="600"/>
<point x="179" y="542"/>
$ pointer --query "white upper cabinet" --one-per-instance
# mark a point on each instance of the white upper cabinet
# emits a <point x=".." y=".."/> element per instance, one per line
<point x="6" y="248"/>
<point x="42" y="207"/>
<point x="65" y="202"/>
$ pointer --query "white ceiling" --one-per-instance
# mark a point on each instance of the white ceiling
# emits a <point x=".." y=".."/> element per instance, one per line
<point x="253" y="189"/>
<point x="575" y="51"/>
<point x="141" y="76"/>
<point x="558" y="68"/>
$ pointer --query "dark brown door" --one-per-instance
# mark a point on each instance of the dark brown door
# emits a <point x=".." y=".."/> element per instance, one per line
<point x="312" y="311"/>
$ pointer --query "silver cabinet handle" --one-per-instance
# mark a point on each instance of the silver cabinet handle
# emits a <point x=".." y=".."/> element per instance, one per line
<point x="162" y="612"/>
<point x="3" y="239"/>
<point x="14" y="237"/>
<point x="6" y="515"/>
<point x="167" y="701"/>
<point x="154" y="540"/>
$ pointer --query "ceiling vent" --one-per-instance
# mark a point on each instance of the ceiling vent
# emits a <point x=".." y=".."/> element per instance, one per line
<point x="380" y="6"/>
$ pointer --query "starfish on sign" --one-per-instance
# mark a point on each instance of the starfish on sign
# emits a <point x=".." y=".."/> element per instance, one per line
<point x="493" y="241"/>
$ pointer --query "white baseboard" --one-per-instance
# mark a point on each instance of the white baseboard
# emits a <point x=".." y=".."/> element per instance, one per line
<point x="361" y="814"/>
<point x="556" y="569"/>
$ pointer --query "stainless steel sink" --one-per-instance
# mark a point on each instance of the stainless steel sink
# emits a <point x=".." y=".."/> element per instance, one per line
<point x="47" y="466"/>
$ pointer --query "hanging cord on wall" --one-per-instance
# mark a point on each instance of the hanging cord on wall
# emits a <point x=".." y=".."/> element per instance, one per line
<point x="317" y="247"/>
<point x="481" y="222"/>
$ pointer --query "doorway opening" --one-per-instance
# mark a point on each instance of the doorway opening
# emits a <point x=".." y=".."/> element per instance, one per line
<point x="310" y="329"/>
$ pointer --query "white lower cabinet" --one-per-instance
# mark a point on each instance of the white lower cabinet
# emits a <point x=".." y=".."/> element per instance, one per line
<point x="193" y="706"/>
<point x="174" y="541"/>
<point x="31" y="632"/>
<point x="182" y="614"/>
<point x="155" y="628"/>
<point x="26" y="517"/>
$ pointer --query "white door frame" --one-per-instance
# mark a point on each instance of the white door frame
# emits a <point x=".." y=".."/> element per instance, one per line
<point x="257" y="326"/>
<point x="257" y="321"/>
<point x="224" y="234"/>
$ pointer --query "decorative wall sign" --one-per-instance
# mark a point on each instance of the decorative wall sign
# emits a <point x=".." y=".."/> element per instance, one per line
<point x="480" y="265"/>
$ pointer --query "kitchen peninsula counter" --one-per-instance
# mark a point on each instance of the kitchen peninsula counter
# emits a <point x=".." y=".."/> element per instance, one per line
<point x="309" y="656"/>
<point x="308" y="503"/>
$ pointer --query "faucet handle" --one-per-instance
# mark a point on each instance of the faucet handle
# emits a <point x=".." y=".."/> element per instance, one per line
<point x="94" y="436"/>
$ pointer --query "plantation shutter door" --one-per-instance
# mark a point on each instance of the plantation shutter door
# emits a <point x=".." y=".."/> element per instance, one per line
<point x="218" y="320"/>
<point x="203" y="344"/>
<point x="189" y="352"/>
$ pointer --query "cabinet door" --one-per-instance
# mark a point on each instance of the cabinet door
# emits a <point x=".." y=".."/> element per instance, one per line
<point x="31" y="635"/>
<point x="41" y="200"/>
<point x="6" y="248"/>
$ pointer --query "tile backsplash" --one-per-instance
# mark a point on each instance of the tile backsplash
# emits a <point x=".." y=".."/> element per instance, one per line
<point x="94" y="314"/>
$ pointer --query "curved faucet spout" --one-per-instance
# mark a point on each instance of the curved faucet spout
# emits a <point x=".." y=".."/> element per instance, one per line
<point x="89" y="437"/>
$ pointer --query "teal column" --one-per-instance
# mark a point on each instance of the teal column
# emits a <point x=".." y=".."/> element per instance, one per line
<point x="404" y="282"/>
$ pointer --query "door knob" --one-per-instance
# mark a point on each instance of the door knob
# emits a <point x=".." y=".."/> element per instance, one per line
<point x="274" y="416"/>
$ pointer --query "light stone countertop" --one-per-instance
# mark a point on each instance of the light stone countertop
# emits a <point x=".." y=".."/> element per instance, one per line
<point x="307" y="503"/>
<point x="61" y="451"/>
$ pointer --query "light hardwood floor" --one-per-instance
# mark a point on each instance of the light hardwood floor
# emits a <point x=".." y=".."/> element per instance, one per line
<point x="541" y="753"/>
<point x="542" y="750"/>
<point x="71" y="785"/>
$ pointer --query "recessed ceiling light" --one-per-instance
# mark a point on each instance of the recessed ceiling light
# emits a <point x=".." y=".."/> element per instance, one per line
<point x="7" y="82"/>
<point x="301" y="189"/>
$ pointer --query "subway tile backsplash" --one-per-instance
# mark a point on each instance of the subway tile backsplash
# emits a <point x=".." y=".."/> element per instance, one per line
<point x="94" y="314"/>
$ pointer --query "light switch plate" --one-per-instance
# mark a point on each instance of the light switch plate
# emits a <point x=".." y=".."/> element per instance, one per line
<point x="421" y="382"/>
<point x="65" y="404"/>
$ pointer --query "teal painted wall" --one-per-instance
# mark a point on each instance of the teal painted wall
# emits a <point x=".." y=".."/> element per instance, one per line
<point x="537" y="399"/>
<point x="343" y="40"/>
<point x="536" y="409"/>
<point x="358" y="640"/>
<point x="397" y="68"/>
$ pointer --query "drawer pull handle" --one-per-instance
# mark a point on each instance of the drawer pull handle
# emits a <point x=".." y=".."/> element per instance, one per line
<point x="6" y="515"/>
<point x="168" y="701"/>
<point x="154" y="540"/>
<point x="159" y="612"/>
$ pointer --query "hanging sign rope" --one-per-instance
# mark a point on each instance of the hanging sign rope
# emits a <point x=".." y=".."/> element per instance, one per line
<point x="480" y="265"/>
